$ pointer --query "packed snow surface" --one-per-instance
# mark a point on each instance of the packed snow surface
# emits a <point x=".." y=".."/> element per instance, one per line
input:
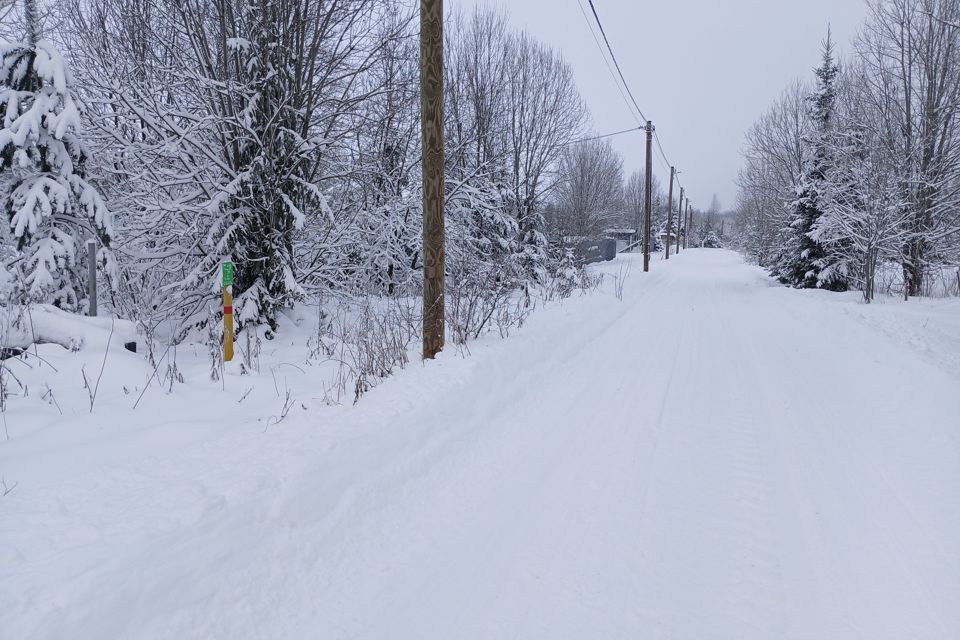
<point x="712" y="456"/>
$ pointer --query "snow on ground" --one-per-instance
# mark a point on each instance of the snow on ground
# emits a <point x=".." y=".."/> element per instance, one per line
<point x="712" y="456"/>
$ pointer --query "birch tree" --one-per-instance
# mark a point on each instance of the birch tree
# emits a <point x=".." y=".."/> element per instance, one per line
<point x="911" y="49"/>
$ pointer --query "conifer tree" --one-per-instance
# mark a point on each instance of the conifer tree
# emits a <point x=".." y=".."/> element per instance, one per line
<point x="261" y="208"/>
<point x="803" y="260"/>
<point x="49" y="204"/>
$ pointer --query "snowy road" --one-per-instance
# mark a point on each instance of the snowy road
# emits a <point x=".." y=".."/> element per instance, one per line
<point x="711" y="457"/>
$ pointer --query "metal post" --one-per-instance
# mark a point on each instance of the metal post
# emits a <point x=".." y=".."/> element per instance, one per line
<point x="92" y="277"/>
<point x="431" y="121"/>
<point x="647" y="198"/>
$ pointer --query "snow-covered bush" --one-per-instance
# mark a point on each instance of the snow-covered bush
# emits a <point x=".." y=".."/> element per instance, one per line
<point x="485" y="258"/>
<point x="566" y="276"/>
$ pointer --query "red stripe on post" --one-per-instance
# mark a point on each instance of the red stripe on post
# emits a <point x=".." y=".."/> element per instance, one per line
<point x="228" y="310"/>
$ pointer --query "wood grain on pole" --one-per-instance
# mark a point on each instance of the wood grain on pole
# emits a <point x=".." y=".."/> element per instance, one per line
<point x="666" y="255"/>
<point x="431" y="120"/>
<point x="647" y="197"/>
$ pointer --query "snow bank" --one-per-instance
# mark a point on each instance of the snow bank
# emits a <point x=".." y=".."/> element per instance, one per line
<point x="45" y="324"/>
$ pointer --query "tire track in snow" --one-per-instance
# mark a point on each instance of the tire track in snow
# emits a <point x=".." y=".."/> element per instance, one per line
<point x="716" y="561"/>
<point x="226" y="532"/>
<point x="555" y="478"/>
<point x="758" y="592"/>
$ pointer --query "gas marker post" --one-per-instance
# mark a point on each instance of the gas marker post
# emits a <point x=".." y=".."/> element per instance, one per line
<point x="228" y="272"/>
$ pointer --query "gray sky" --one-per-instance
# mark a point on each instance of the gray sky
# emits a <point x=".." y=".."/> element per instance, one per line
<point x="701" y="70"/>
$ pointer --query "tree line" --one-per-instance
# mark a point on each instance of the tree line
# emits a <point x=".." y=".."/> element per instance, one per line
<point x="285" y="136"/>
<point x="855" y="179"/>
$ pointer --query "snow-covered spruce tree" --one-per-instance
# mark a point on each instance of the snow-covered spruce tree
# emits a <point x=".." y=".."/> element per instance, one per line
<point x="221" y="123"/>
<point x="289" y="81"/>
<point x="867" y="211"/>
<point x="50" y="206"/>
<point x="261" y="207"/>
<point x="484" y="267"/>
<point x="803" y="260"/>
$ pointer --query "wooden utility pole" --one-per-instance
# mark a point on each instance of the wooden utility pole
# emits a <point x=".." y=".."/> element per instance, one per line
<point x="669" y="213"/>
<point x="687" y="225"/>
<point x="431" y="122"/>
<point x="679" y="218"/>
<point x="647" y="197"/>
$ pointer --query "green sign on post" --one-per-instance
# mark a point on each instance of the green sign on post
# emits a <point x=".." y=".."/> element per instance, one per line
<point x="227" y="273"/>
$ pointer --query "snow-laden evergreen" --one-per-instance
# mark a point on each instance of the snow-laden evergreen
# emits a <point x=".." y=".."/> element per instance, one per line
<point x="804" y="261"/>
<point x="261" y="208"/>
<point x="50" y="206"/>
<point x="860" y="175"/>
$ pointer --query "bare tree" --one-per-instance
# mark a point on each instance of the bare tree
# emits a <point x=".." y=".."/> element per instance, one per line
<point x="773" y="158"/>
<point x="633" y="202"/>
<point x="911" y="53"/>
<point x="867" y="216"/>
<point x="512" y="106"/>
<point x="544" y="112"/>
<point x="589" y="188"/>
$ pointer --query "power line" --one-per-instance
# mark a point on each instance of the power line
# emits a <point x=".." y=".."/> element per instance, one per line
<point x="607" y="63"/>
<point x="663" y="155"/>
<point x="662" y="158"/>
<point x="605" y="135"/>
<point x="623" y="80"/>
<point x="614" y="58"/>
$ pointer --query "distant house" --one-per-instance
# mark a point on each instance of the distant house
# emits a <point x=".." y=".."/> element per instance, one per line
<point x="672" y="238"/>
<point x="624" y="237"/>
<point x="590" y="250"/>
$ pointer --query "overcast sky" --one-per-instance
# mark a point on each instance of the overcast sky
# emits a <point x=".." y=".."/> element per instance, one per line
<point x="701" y="70"/>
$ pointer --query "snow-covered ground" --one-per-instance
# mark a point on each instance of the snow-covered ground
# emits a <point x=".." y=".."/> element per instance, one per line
<point x="712" y="456"/>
